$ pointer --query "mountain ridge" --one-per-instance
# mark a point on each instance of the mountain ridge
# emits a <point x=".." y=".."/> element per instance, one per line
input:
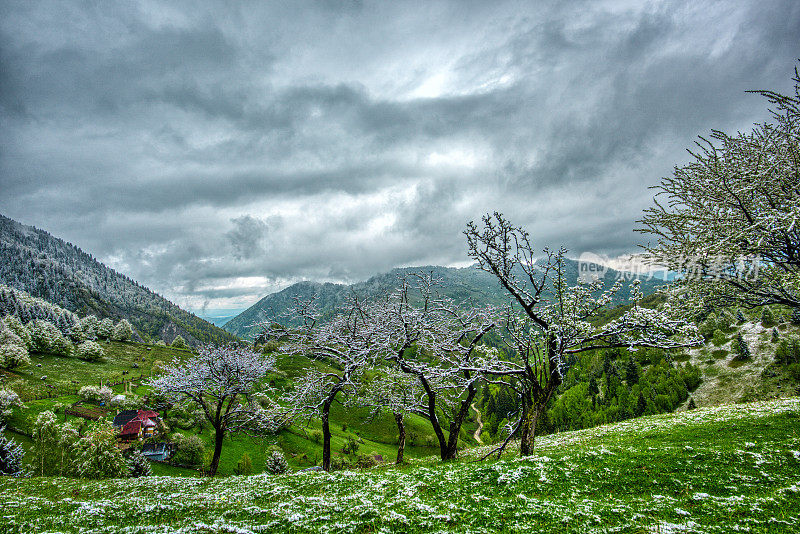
<point x="59" y="272"/>
<point x="465" y="285"/>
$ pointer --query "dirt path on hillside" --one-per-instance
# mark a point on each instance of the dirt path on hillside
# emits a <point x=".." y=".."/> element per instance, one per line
<point x="477" y="435"/>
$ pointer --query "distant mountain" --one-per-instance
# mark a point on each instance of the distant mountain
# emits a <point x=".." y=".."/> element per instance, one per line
<point x="217" y="317"/>
<point x="59" y="272"/>
<point x="463" y="285"/>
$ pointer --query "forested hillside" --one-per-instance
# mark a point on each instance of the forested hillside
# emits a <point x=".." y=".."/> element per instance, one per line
<point x="464" y="285"/>
<point x="59" y="272"/>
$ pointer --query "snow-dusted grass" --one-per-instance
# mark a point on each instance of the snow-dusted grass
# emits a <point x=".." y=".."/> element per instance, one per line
<point x="722" y="469"/>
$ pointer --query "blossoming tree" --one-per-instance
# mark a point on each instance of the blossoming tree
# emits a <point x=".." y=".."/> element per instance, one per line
<point x="729" y="221"/>
<point x="222" y="381"/>
<point x="549" y="322"/>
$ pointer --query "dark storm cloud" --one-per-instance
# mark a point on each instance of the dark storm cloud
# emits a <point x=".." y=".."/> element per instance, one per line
<point x="215" y="153"/>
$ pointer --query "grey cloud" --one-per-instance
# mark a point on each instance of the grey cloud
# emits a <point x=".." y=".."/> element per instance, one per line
<point x="249" y="235"/>
<point x="214" y="153"/>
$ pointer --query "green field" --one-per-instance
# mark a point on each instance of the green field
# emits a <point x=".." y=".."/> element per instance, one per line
<point x="376" y="436"/>
<point x="723" y="469"/>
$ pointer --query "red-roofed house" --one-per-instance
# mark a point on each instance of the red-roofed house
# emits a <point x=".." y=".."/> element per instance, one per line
<point x="135" y="424"/>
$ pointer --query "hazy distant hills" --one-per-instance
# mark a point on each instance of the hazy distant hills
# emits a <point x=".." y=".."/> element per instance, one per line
<point x="59" y="272"/>
<point x="464" y="285"/>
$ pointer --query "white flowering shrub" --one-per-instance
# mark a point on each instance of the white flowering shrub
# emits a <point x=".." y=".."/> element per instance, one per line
<point x="13" y="352"/>
<point x="126" y="402"/>
<point x="105" y="329"/>
<point x="46" y="337"/>
<point x="276" y="463"/>
<point x="15" y="325"/>
<point x="94" y="394"/>
<point x="89" y="325"/>
<point x="90" y="351"/>
<point x="76" y="333"/>
<point x="8" y="400"/>
<point x="123" y="331"/>
<point x="138" y="465"/>
<point x="97" y="455"/>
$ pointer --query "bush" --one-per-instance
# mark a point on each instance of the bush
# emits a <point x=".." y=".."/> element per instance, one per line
<point x="788" y="350"/>
<point x="244" y="466"/>
<point x="189" y="450"/>
<point x="89" y="325"/>
<point x="13" y="355"/>
<point x="46" y="337"/>
<point x="316" y="436"/>
<point x="276" y="463"/>
<point x="338" y="463"/>
<point x="775" y="336"/>
<point x="16" y="326"/>
<point x="719" y="338"/>
<point x="725" y="320"/>
<point x="97" y="455"/>
<point x="707" y="327"/>
<point x="138" y="465"/>
<point x="105" y="329"/>
<point x="91" y="351"/>
<point x="740" y="348"/>
<point x="767" y="317"/>
<point x="8" y="400"/>
<point x="11" y="454"/>
<point x="96" y="395"/>
<point x="126" y="402"/>
<point x="365" y="461"/>
<point x="740" y="318"/>
<point x="179" y="342"/>
<point x="795" y="317"/>
<point x="76" y="333"/>
<point x="351" y="446"/>
<point x="123" y="331"/>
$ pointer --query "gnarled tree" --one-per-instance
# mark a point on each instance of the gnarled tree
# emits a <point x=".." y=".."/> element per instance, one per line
<point x="221" y="381"/>
<point x="549" y="322"/>
<point x="398" y="393"/>
<point x="729" y="221"/>
<point x="345" y="346"/>
<point x="431" y="338"/>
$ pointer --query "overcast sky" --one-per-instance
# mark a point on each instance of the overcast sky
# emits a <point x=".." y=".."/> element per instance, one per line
<point x="219" y="153"/>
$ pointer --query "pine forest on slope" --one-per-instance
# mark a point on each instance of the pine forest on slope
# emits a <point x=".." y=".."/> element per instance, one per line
<point x="52" y="269"/>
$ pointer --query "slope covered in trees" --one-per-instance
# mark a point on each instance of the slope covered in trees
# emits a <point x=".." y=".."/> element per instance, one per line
<point x="59" y="272"/>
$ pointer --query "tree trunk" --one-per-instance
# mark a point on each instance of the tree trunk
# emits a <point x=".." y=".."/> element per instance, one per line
<point x="527" y="432"/>
<point x="527" y="428"/>
<point x="219" y="434"/>
<point x="541" y="397"/>
<point x="457" y="422"/>
<point x="326" y="437"/>
<point x="401" y="437"/>
<point x="434" y="419"/>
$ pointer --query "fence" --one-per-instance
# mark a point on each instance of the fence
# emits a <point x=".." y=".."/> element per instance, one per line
<point x="52" y="391"/>
<point x="92" y="414"/>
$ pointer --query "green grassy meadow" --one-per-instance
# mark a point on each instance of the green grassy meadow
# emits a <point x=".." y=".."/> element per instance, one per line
<point x="721" y="469"/>
<point x="375" y="435"/>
